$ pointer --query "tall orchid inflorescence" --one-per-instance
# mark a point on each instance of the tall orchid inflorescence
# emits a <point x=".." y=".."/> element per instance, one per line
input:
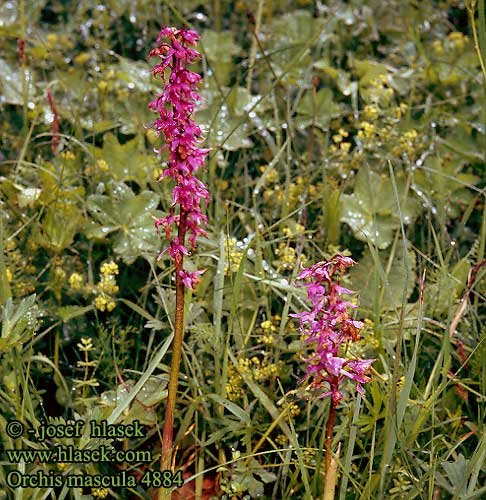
<point x="329" y="325"/>
<point x="175" y="106"/>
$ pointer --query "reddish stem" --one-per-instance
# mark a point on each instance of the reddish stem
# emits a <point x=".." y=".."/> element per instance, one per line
<point x="168" y="431"/>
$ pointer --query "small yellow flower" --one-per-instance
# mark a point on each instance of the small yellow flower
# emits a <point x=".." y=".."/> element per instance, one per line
<point x="99" y="492"/>
<point x="345" y="147"/>
<point x="9" y="274"/>
<point x="59" y="273"/>
<point x="108" y="285"/>
<point x="272" y="176"/>
<point x="233" y="256"/>
<point x="438" y="48"/>
<point x="370" y="112"/>
<point x="75" y="281"/>
<point x="82" y="58"/>
<point x="458" y="40"/>
<point x="68" y="155"/>
<point x="100" y="303"/>
<point x="109" y="267"/>
<point x="52" y="39"/>
<point x="102" y="165"/>
<point x="10" y="245"/>
<point x="411" y="135"/>
<point x="367" y="130"/>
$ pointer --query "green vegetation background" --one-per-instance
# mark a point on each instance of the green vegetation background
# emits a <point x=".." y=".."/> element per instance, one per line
<point x="352" y="127"/>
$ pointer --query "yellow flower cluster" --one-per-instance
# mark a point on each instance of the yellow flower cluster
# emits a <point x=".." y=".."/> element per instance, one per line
<point x="407" y="144"/>
<point x="458" y="40"/>
<point x="337" y="138"/>
<point x="294" y="230"/>
<point x="52" y="40"/>
<point x="81" y="58"/>
<point x="340" y="146"/>
<point x="276" y="197"/>
<point x="368" y="336"/>
<point x="233" y="256"/>
<point x="59" y="273"/>
<point x="293" y="409"/>
<point x="102" y="304"/>
<point x="371" y="112"/>
<point x="107" y="287"/>
<point x="271" y="177"/>
<point x="400" y="110"/>
<point x="287" y="257"/>
<point x="379" y="93"/>
<point x="295" y="190"/>
<point x="454" y="44"/>
<point x="99" y="166"/>
<point x="102" y="165"/>
<point x="75" y="281"/>
<point x="68" y="155"/>
<point x="254" y="369"/>
<point x="268" y="329"/>
<point x="99" y="492"/>
<point x="367" y="130"/>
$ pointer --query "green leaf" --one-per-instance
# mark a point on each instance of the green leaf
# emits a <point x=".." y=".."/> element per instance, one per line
<point x="11" y="84"/>
<point x="136" y="75"/>
<point x="127" y="162"/>
<point x="341" y="78"/>
<point x="130" y="216"/>
<point x="366" y="279"/>
<point x="457" y="473"/>
<point x="59" y="226"/>
<point x="232" y="407"/>
<point x="443" y="184"/>
<point x="19" y="323"/>
<point x="219" y="49"/>
<point x="69" y="312"/>
<point x="325" y="109"/>
<point x="223" y="130"/>
<point x="445" y="287"/>
<point x="369" y="70"/>
<point x="372" y="211"/>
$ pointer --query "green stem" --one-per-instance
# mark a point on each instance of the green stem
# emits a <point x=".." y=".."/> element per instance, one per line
<point x="331" y="462"/>
<point x="471" y="8"/>
<point x="25" y="97"/>
<point x="168" y="431"/>
<point x="329" y="433"/>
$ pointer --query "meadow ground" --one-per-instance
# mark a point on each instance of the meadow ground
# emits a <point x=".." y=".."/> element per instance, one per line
<point x="342" y="128"/>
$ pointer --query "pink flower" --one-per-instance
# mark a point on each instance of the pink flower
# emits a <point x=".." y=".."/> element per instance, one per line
<point x="328" y="326"/>
<point x="190" y="279"/>
<point x="175" y="106"/>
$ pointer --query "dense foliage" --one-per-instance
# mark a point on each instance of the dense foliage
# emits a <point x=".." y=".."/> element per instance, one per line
<point x="343" y="127"/>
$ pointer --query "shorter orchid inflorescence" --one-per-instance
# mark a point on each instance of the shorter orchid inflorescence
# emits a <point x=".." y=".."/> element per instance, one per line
<point x="329" y="326"/>
<point x="175" y="106"/>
